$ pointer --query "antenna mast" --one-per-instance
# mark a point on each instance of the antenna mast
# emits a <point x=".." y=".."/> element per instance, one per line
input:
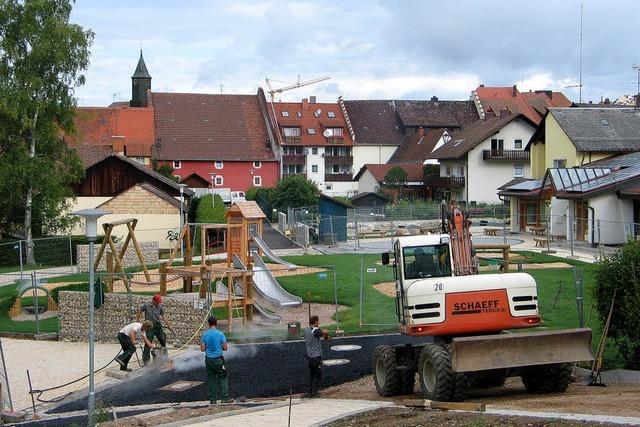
<point x="580" y="77"/>
<point x="637" y="68"/>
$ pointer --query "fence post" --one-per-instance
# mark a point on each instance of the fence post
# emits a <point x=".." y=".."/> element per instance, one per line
<point x="599" y="239"/>
<point x="361" y="289"/>
<point x="357" y="230"/>
<point x="35" y="295"/>
<point x="335" y="292"/>
<point x="70" y="255"/>
<point x="570" y="222"/>
<point x="20" y="256"/>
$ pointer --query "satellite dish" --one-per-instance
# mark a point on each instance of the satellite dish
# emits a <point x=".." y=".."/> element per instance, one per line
<point x="318" y="112"/>
<point x="306" y="151"/>
<point x="327" y="133"/>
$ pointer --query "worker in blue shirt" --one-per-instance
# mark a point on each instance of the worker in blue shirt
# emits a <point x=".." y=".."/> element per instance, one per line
<point x="213" y="343"/>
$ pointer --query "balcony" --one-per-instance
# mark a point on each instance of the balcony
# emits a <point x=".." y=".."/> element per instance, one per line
<point x="505" y="155"/>
<point x="284" y="174"/>
<point x="294" y="159"/>
<point x="335" y="140"/>
<point x="338" y="160"/>
<point x="291" y="139"/>
<point x="338" y="177"/>
<point x="444" y="181"/>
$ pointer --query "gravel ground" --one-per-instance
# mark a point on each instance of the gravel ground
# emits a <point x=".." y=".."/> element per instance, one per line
<point x="615" y="399"/>
<point x="169" y="417"/>
<point x="415" y="417"/>
<point x="262" y="370"/>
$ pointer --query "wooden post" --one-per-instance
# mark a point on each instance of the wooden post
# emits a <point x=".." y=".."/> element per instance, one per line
<point x="107" y="236"/>
<point x="110" y="271"/>
<point x="505" y="256"/>
<point x="230" y="293"/>
<point x="132" y="226"/>
<point x="203" y="287"/>
<point x="245" y="316"/>
<point x="203" y="246"/>
<point x="163" y="278"/>
<point x="188" y="262"/>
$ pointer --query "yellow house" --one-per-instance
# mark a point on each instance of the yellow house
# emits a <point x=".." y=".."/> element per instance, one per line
<point x="569" y="138"/>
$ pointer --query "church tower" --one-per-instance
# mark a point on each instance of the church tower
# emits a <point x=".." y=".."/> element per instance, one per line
<point x="140" y="83"/>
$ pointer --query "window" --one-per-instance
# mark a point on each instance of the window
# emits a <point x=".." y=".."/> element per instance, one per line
<point x="336" y="169"/>
<point x="314" y="168"/>
<point x="289" y="169"/>
<point x="497" y="146"/>
<point x="299" y="114"/>
<point x="292" y="132"/>
<point x="461" y="168"/>
<point x="517" y="143"/>
<point x="311" y="131"/>
<point x="219" y="164"/>
<point x="426" y="261"/>
<point x="285" y="114"/>
<point x="141" y="160"/>
<point x="257" y="181"/>
<point x="288" y="149"/>
<point x="334" y="132"/>
<point x="449" y="171"/>
<point x="177" y="164"/>
<point x="314" y="150"/>
<point x="219" y="180"/>
<point x="316" y="113"/>
<point x="257" y="164"/>
<point x="331" y="114"/>
<point x="518" y="171"/>
<point x="560" y="163"/>
<point x="328" y="187"/>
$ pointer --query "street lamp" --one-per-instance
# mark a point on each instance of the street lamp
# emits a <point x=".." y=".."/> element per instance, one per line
<point x="213" y="184"/>
<point x="91" y="231"/>
<point x="182" y="186"/>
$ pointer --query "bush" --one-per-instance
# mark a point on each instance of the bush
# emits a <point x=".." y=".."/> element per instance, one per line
<point x="192" y="214"/>
<point x="295" y="191"/>
<point x="620" y="273"/>
<point x="208" y="213"/>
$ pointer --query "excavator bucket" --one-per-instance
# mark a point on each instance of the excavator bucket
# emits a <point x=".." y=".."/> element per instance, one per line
<point x="520" y="349"/>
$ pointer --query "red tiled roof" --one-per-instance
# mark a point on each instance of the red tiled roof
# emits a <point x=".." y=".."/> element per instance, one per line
<point x="92" y="154"/>
<point x="436" y="113"/>
<point x="417" y="148"/>
<point x="137" y="150"/>
<point x="193" y="126"/>
<point x="532" y="105"/>
<point x="414" y="171"/>
<point x="310" y="121"/>
<point x="99" y="125"/>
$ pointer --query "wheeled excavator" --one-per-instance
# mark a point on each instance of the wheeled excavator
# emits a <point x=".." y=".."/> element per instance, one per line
<point x="478" y="329"/>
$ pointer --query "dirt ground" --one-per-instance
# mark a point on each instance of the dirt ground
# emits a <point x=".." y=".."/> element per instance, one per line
<point x="415" y="417"/>
<point x="169" y="417"/>
<point x="615" y="399"/>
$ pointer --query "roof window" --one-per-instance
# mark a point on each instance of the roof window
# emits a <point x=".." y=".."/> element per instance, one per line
<point x="331" y="114"/>
<point x="285" y="114"/>
<point x="604" y="122"/>
<point x="311" y="131"/>
<point x="299" y="114"/>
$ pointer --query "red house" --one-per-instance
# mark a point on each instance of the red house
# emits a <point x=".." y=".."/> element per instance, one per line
<point x="223" y="139"/>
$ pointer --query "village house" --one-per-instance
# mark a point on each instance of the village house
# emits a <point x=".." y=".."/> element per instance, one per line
<point x="371" y="177"/>
<point x="315" y="141"/>
<point x="576" y="180"/>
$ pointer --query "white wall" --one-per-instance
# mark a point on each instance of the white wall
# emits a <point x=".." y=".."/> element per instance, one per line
<point x="374" y="154"/>
<point x="485" y="176"/>
<point x="316" y="159"/>
<point x="367" y="183"/>
<point x="343" y="189"/>
<point x="458" y="194"/>
<point x="515" y="215"/>
<point x="614" y="217"/>
<point x="558" y="212"/>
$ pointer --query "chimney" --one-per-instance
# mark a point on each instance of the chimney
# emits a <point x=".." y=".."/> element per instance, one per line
<point x="117" y="144"/>
<point x="504" y="112"/>
<point x="514" y="91"/>
<point x="305" y="104"/>
<point x="421" y="129"/>
<point x="481" y="84"/>
<point x="312" y="99"/>
<point x="434" y="98"/>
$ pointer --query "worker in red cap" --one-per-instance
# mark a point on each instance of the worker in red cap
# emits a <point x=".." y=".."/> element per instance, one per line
<point x="154" y="312"/>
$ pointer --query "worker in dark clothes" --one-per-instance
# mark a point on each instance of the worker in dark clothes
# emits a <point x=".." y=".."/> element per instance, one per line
<point x="312" y="336"/>
<point x="213" y="343"/>
<point x="154" y="312"/>
<point x="127" y="338"/>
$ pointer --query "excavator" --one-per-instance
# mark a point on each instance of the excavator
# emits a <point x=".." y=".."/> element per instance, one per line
<point x="473" y="324"/>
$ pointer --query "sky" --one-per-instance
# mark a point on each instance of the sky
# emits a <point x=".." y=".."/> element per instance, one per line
<point x="372" y="49"/>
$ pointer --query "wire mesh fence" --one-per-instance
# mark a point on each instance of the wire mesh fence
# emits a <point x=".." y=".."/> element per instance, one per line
<point x="377" y="294"/>
<point x="5" y="388"/>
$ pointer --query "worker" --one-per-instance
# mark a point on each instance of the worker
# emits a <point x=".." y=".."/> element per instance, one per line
<point x="312" y="336"/>
<point x="423" y="264"/>
<point x="127" y="338"/>
<point x="213" y="343"/>
<point x="154" y="312"/>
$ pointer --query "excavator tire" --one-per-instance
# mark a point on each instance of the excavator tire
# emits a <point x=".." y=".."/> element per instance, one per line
<point x="547" y="378"/>
<point x="387" y="378"/>
<point x="437" y="380"/>
<point x="461" y="382"/>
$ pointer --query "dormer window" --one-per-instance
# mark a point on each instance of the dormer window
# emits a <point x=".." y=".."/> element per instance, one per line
<point x="299" y="114"/>
<point x="331" y="114"/>
<point x="291" y="132"/>
<point x="334" y="132"/>
<point x="285" y="114"/>
<point x="311" y="131"/>
<point x="218" y="164"/>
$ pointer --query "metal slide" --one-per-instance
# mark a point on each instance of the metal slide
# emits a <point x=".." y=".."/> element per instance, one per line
<point x="269" y="253"/>
<point x="266" y="285"/>
<point x="267" y="315"/>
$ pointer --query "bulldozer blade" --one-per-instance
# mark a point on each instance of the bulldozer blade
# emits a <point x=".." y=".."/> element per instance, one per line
<point x="520" y="349"/>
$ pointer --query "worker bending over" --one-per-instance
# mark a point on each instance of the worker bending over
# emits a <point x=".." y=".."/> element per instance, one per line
<point x="154" y="312"/>
<point x="127" y="338"/>
<point x="213" y="343"/>
<point x="312" y="336"/>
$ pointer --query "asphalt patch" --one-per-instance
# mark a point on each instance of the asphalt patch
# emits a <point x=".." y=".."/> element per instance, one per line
<point x="255" y="371"/>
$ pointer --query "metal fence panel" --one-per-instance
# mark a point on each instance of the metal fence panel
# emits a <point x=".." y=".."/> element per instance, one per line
<point x="377" y="294"/>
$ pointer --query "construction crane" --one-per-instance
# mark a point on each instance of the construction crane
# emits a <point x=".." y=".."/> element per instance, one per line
<point x="296" y="85"/>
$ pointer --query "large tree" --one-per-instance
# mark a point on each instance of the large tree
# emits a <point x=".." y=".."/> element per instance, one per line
<point x="42" y="57"/>
<point x="395" y="178"/>
<point x="295" y="191"/>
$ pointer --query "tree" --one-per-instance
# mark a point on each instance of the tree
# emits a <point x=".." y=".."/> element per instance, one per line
<point x="209" y="212"/>
<point x="295" y="191"/>
<point x="620" y="273"/>
<point x="395" y="178"/>
<point x="42" y="56"/>
<point x="165" y="170"/>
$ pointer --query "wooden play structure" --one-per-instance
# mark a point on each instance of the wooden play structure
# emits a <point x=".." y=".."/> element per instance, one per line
<point x="241" y="219"/>
<point x="503" y="247"/>
<point x="26" y="286"/>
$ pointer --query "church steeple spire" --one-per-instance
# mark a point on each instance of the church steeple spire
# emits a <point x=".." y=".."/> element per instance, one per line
<point x="140" y="83"/>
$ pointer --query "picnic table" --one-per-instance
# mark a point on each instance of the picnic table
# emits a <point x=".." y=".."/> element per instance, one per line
<point x="541" y="242"/>
<point x="558" y="238"/>
<point x="538" y="231"/>
<point x="491" y="231"/>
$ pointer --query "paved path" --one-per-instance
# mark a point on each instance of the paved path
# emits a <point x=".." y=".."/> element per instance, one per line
<point x="312" y="412"/>
<point x="10" y="278"/>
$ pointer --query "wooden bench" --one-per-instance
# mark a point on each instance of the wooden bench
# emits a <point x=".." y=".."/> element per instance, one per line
<point x="504" y="247"/>
<point x="538" y="231"/>
<point x="374" y="233"/>
<point x="491" y="231"/>
<point x="558" y="238"/>
<point x="541" y="242"/>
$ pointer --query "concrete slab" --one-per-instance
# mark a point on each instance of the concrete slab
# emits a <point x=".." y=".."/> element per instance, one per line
<point x="13" y="417"/>
<point x="117" y="373"/>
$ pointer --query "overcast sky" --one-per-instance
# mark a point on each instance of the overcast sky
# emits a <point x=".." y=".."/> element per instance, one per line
<point x="370" y="49"/>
